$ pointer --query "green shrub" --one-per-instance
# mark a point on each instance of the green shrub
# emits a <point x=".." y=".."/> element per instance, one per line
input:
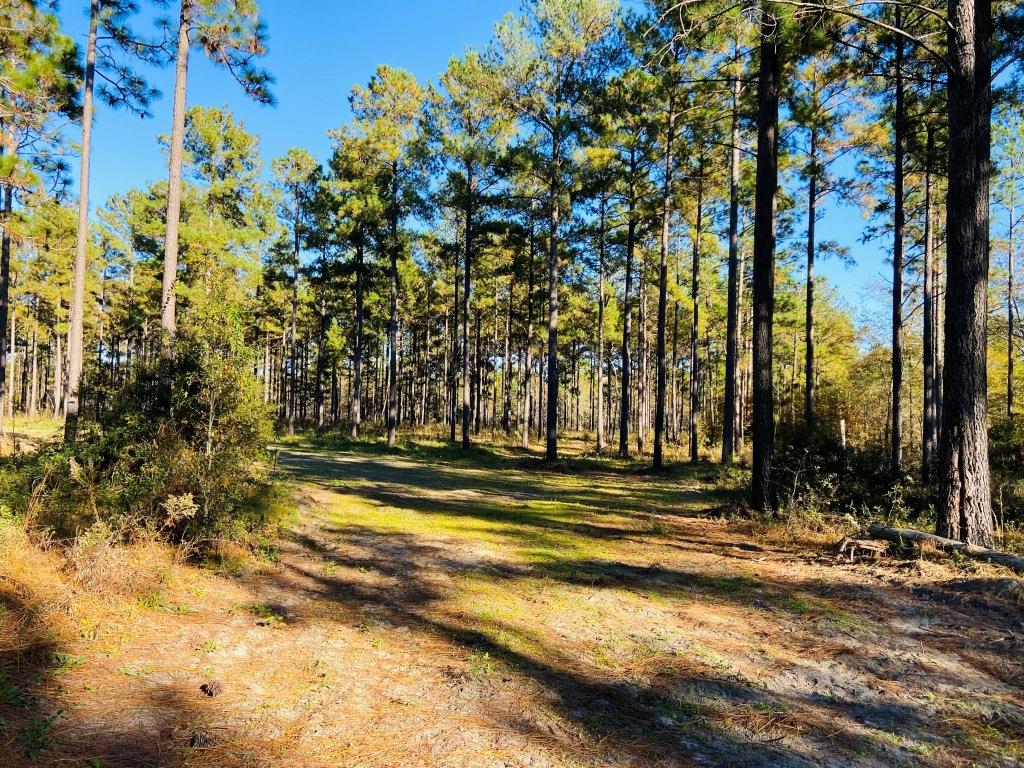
<point x="816" y="474"/>
<point x="180" y="451"/>
<point x="1006" y="456"/>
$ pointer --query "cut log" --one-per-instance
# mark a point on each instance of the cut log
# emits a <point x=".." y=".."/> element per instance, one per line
<point x="903" y="535"/>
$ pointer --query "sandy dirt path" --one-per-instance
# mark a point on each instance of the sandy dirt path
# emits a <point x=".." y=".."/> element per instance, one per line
<point x="420" y="613"/>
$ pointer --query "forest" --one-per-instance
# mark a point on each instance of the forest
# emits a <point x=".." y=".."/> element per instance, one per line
<point x="538" y="421"/>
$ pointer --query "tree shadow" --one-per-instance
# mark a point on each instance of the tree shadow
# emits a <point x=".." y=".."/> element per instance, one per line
<point x="684" y="712"/>
<point x="45" y="719"/>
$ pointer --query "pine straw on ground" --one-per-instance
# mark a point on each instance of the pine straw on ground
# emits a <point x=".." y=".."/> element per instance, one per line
<point x="433" y="612"/>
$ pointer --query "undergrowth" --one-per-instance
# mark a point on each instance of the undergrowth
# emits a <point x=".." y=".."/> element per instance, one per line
<point x="179" y="452"/>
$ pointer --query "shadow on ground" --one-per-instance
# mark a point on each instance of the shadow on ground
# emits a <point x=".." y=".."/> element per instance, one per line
<point x="830" y="671"/>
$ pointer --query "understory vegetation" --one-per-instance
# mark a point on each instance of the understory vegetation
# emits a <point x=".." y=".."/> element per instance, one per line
<point x="180" y="452"/>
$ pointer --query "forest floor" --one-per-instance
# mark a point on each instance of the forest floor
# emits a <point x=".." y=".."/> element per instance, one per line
<point x="26" y="433"/>
<point x="428" y="608"/>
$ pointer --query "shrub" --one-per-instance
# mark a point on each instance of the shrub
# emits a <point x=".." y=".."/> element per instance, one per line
<point x="816" y="474"/>
<point x="180" y="450"/>
<point x="1006" y="456"/>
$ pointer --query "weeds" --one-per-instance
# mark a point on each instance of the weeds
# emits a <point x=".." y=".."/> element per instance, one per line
<point x="61" y="662"/>
<point x="266" y="616"/>
<point x="35" y="737"/>
<point x="11" y="695"/>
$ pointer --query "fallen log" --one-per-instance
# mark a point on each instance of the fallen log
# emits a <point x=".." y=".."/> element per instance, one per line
<point x="903" y="535"/>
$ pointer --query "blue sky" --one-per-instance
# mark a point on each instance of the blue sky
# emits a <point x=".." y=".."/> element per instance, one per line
<point x="319" y="49"/>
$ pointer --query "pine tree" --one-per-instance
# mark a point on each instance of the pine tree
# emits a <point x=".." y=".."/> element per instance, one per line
<point x="233" y="37"/>
<point x="39" y="71"/>
<point x="471" y="138"/>
<point x="296" y="175"/>
<point x="387" y="113"/>
<point x="121" y="86"/>
<point x="543" y="65"/>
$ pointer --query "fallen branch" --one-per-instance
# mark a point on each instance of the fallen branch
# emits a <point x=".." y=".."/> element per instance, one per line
<point x="903" y="535"/>
<point x="854" y="548"/>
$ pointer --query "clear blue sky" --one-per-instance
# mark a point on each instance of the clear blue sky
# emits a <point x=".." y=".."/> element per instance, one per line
<point x="319" y="49"/>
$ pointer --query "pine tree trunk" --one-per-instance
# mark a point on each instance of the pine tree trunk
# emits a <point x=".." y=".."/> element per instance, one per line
<point x="666" y="212"/>
<point x="477" y="400"/>
<point x="695" y="327"/>
<point x="33" y="395"/>
<point x="506" y="417"/>
<point x="294" y="320"/>
<point x="812" y="214"/>
<point x="6" y="314"/>
<point x="554" y="263"/>
<point x="528" y="346"/>
<point x="77" y="313"/>
<point x="356" y="407"/>
<point x="318" y="403"/>
<point x="627" y="330"/>
<point x="1010" y="294"/>
<point x="600" y="324"/>
<point x="58" y="376"/>
<point x="642" y="368"/>
<point x="267" y="370"/>
<point x="392" y="382"/>
<point x="929" y="432"/>
<point x="766" y="187"/>
<point x="168" y="323"/>
<point x="965" y="507"/>
<point x="335" y="394"/>
<point x="897" y="261"/>
<point x="453" y="397"/>
<point x="732" y="342"/>
<point x="467" y="287"/>
<point x="675" y="368"/>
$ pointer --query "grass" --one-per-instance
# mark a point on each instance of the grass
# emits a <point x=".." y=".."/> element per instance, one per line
<point x="25" y="433"/>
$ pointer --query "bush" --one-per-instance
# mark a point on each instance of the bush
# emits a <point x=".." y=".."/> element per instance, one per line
<point x="1006" y="457"/>
<point x="816" y="473"/>
<point x="179" y="451"/>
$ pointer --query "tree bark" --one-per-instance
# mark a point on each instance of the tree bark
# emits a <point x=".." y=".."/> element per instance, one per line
<point x="766" y="187"/>
<point x="466" y="291"/>
<point x="77" y="313"/>
<point x="168" y="320"/>
<point x="1010" y="293"/>
<point x="453" y="378"/>
<point x="695" y="326"/>
<point x="627" y="330"/>
<point x="554" y="263"/>
<point x="897" y="260"/>
<point x="930" y="431"/>
<point x="732" y="340"/>
<point x="812" y="214"/>
<point x="6" y="315"/>
<point x="318" y="387"/>
<point x="506" y="411"/>
<point x="903" y="535"/>
<point x="666" y="212"/>
<point x="528" y="346"/>
<point x="58" y="376"/>
<point x="294" y="318"/>
<point x="600" y="323"/>
<point x="356" y="406"/>
<point x="392" y="388"/>
<point x="965" y="505"/>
